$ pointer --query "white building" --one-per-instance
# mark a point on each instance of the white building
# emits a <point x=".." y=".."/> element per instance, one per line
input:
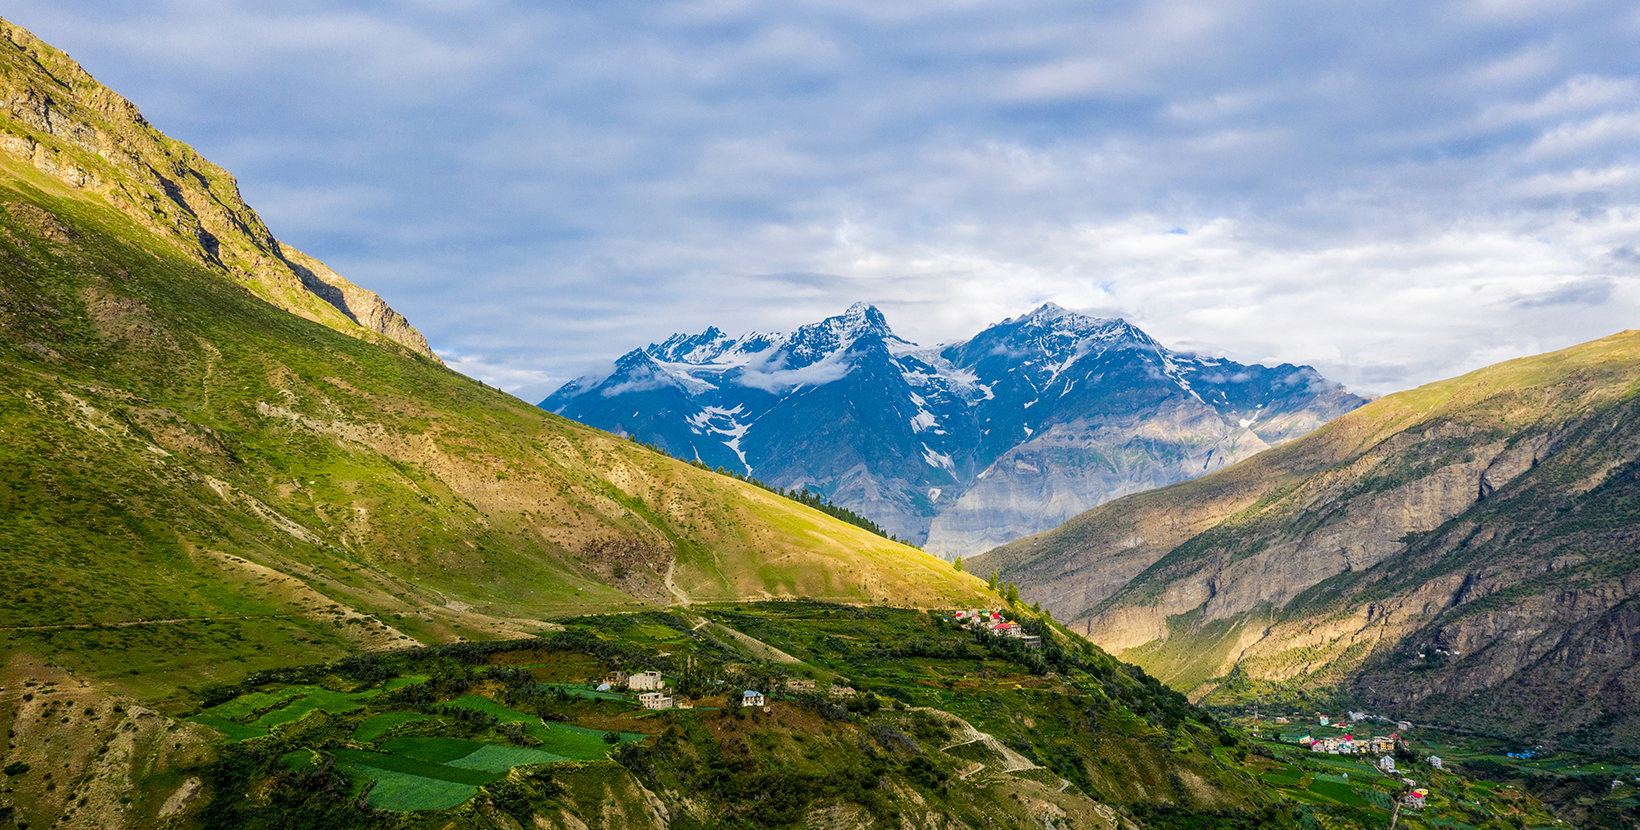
<point x="1436" y="762"/>
<point x="655" y="700"/>
<point x="1387" y="763"/>
<point x="644" y="681"/>
<point x="751" y="698"/>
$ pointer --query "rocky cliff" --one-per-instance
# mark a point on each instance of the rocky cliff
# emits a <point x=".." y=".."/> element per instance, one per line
<point x="1450" y="553"/>
<point x="59" y="120"/>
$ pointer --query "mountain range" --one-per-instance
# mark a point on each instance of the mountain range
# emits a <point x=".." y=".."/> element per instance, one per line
<point x="957" y="447"/>
<point x="1463" y="553"/>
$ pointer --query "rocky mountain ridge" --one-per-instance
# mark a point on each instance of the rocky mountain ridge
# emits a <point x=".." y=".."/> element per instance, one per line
<point x="959" y="447"/>
<point x="69" y="127"/>
<point x="1461" y="553"/>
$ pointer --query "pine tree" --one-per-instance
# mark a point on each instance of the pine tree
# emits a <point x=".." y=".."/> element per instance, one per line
<point x="1013" y="594"/>
<point x="993" y="583"/>
<point x="957" y="564"/>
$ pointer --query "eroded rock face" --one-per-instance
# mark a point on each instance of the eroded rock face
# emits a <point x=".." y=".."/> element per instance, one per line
<point x="1076" y="466"/>
<point x="55" y="118"/>
<point x="1451" y="552"/>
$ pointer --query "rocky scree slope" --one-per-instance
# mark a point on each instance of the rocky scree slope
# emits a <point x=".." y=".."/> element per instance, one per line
<point x="59" y="120"/>
<point x="960" y="447"/>
<point x="195" y="482"/>
<point x="1464" y="553"/>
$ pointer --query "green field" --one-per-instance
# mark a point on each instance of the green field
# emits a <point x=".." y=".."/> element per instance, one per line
<point x="402" y="792"/>
<point x="359" y="758"/>
<point x="432" y="750"/>
<point x="379" y="725"/>
<point x="494" y="758"/>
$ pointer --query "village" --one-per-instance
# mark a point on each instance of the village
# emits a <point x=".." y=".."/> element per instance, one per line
<point x="1356" y="740"/>
<point x="653" y="693"/>
<point x="994" y="622"/>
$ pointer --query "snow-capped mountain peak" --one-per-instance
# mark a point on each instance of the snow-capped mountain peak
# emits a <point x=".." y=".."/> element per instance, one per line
<point x="877" y="424"/>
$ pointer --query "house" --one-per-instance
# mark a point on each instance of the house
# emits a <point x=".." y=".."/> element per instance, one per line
<point x="1436" y="762"/>
<point x="1404" y="726"/>
<point x="1280" y="719"/>
<point x="1415" y="799"/>
<point x="842" y="691"/>
<point x="1031" y="640"/>
<point x="644" y="681"/>
<point x="616" y="678"/>
<point x="1357" y="717"/>
<point x="682" y="703"/>
<point x="654" y="700"/>
<point x="1381" y="745"/>
<point x="751" y="698"/>
<point x="1323" y="719"/>
<point x="1387" y="763"/>
<point x="798" y="685"/>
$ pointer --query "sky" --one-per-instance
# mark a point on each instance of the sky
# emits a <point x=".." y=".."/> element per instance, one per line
<point x="1393" y="192"/>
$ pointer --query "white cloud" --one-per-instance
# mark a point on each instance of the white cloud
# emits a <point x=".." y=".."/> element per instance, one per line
<point x="1392" y="191"/>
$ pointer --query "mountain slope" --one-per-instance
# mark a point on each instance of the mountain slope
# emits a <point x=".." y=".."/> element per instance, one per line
<point x="960" y="447"/>
<point x="63" y="123"/>
<point x="194" y="482"/>
<point x="1453" y="553"/>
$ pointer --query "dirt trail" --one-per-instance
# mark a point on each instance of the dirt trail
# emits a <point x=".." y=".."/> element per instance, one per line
<point x="683" y="599"/>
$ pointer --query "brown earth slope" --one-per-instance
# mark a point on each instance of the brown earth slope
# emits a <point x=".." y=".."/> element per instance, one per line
<point x="1453" y="552"/>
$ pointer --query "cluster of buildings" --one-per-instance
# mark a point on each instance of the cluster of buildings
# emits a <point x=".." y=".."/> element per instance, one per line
<point x="994" y="622"/>
<point x="649" y="685"/>
<point x="1349" y="745"/>
<point x="652" y="693"/>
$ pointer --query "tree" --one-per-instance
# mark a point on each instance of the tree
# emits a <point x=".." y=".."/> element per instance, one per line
<point x="957" y="564"/>
<point x="1013" y="594"/>
<point x="992" y="584"/>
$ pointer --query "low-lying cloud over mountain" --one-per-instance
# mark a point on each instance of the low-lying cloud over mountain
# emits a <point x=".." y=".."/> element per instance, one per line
<point x="964" y="446"/>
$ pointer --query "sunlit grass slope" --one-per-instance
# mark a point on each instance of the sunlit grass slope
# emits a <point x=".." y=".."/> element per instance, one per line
<point x="194" y="482"/>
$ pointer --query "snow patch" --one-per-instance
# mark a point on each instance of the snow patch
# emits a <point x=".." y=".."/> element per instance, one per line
<point x="938" y="460"/>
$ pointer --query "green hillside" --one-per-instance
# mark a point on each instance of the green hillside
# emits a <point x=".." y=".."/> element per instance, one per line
<point x="196" y="482"/>
<point x="1460" y="554"/>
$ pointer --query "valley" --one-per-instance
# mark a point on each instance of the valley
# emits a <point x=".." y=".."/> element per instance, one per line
<point x="268" y="562"/>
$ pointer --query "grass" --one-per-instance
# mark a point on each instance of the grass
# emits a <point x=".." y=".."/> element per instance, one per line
<point x="502" y="758"/>
<point x="413" y="766"/>
<point x="379" y="725"/>
<point x="403" y="792"/>
<point x="434" y="750"/>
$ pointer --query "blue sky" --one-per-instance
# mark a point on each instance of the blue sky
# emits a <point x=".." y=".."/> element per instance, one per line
<point x="1393" y="192"/>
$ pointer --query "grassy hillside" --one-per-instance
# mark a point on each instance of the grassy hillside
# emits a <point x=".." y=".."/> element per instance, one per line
<point x="1450" y="553"/>
<point x="876" y="717"/>
<point x="210" y="464"/>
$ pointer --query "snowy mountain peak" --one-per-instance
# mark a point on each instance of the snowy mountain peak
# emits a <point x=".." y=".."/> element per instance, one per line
<point x="816" y="341"/>
<point x="696" y="349"/>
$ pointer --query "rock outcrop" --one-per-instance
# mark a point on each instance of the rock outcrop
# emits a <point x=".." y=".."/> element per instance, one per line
<point x="1449" y="552"/>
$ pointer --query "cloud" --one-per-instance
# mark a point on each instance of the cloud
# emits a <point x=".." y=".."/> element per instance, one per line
<point x="1390" y="191"/>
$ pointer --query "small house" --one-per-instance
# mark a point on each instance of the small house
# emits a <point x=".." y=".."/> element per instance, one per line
<point x="1280" y="719"/>
<point x="1436" y="762"/>
<point x="800" y="685"/>
<point x="1415" y="799"/>
<point x="645" y="681"/>
<point x="1404" y="726"/>
<point x="842" y="691"/>
<point x="1323" y="719"/>
<point x="616" y="678"/>
<point x="1387" y="763"/>
<point x="1031" y="640"/>
<point x="751" y="698"/>
<point x="655" y="700"/>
